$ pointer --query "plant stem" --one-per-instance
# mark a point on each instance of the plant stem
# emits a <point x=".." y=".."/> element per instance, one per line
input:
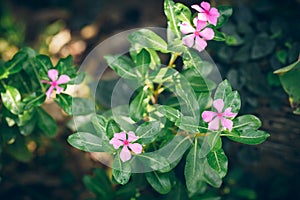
<point x="159" y="88"/>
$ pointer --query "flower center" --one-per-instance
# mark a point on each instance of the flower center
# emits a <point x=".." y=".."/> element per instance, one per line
<point x="54" y="84"/>
<point x="220" y="114"/>
<point x="125" y="142"/>
<point x="197" y="33"/>
<point x="206" y="12"/>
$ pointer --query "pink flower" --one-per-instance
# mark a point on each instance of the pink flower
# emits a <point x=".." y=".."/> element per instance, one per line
<point x="119" y="140"/>
<point x="214" y="118"/>
<point x="196" y="37"/>
<point x="206" y="13"/>
<point x="55" y="81"/>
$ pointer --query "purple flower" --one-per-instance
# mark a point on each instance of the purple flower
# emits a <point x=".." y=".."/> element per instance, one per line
<point x="196" y="37"/>
<point x="55" y="81"/>
<point x="206" y="13"/>
<point x="214" y="118"/>
<point x="119" y="140"/>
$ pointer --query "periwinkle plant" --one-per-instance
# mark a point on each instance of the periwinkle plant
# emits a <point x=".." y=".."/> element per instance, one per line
<point x="178" y="115"/>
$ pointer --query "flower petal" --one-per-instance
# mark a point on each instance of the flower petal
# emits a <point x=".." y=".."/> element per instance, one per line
<point x="228" y="113"/>
<point x="208" y="115"/>
<point x="59" y="89"/>
<point x="131" y="137"/>
<point x="227" y="123"/>
<point x="63" y="79"/>
<point x="136" y="148"/>
<point x="116" y="143"/>
<point x="200" y="25"/>
<point x="219" y="105"/>
<point x="214" y="12"/>
<point x="49" y="91"/>
<point x="186" y="28"/>
<point x="125" y="154"/>
<point x="205" y="5"/>
<point x="121" y="136"/>
<point x="197" y="7"/>
<point x="207" y="33"/>
<point x="214" y="124"/>
<point x="189" y="40"/>
<point x="202" y="17"/>
<point x="212" y="19"/>
<point x="200" y="44"/>
<point x="52" y="74"/>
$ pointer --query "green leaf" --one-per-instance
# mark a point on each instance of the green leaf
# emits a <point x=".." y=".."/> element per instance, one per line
<point x="86" y="142"/>
<point x="200" y="84"/>
<point x="35" y="101"/>
<point x="233" y="101"/>
<point x="46" y="123"/>
<point x="211" y="176"/>
<point x="182" y="12"/>
<point x="187" y="123"/>
<point x="251" y="137"/>
<point x="121" y="170"/>
<point x="246" y="122"/>
<point x="155" y="59"/>
<point x="13" y="66"/>
<point x="176" y="148"/>
<point x="218" y="161"/>
<point x="163" y="75"/>
<point x="219" y="36"/>
<point x="169" y="9"/>
<point x="28" y="128"/>
<point x="208" y="143"/>
<point x="192" y="172"/>
<point x="223" y="90"/>
<point x="11" y="99"/>
<point x="121" y="116"/>
<point x="204" y="101"/>
<point x="112" y="128"/>
<point x="99" y="123"/>
<point x="152" y="161"/>
<point x="147" y="132"/>
<point x="122" y="65"/>
<point x="288" y="76"/>
<point x="64" y="64"/>
<point x="171" y="113"/>
<point x="225" y="13"/>
<point x="142" y="61"/>
<point x="149" y="39"/>
<point x="44" y="62"/>
<point x="138" y="105"/>
<point x="65" y="102"/>
<point x="160" y="182"/>
<point x="176" y="45"/>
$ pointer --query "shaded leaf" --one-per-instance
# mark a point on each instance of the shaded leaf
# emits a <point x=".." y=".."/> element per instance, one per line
<point x="160" y="182"/>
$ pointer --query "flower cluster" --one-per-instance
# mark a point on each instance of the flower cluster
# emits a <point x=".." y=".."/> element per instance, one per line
<point x="197" y="35"/>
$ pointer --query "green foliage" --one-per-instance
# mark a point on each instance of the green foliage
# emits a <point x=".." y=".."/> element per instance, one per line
<point x="22" y="95"/>
<point x="289" y="76"/>
<point x="165" y="113"/>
